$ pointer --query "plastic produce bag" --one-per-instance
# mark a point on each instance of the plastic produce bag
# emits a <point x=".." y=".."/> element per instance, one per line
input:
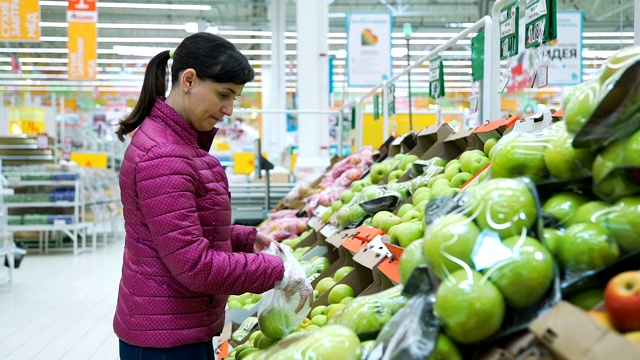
<point x="411" y="334"/>
<point x="276" y="312"/>
<point x="329" y="342"/>
<point x="366" y="315"/>
<point x="484" y="244"/>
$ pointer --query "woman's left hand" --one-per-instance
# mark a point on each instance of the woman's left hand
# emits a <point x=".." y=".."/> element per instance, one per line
<point x="262" y="242"/>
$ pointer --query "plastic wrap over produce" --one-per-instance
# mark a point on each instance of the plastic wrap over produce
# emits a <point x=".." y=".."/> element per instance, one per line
<point x="276" y="311"/>
<point x="483" y="245"/>
<point x="326" y="343"/>
<point x="367" y="314"/>
<point x="352" y="213"/>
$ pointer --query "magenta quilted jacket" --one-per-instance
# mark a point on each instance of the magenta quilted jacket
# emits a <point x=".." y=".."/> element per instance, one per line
<point x="182" y="256"/>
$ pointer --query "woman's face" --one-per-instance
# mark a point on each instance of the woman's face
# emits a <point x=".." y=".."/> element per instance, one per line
<point x="208" y="102"/>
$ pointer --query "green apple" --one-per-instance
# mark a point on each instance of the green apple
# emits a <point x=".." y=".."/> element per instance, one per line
<point x="347" y="300"/>
<point x="377" y="218"/>
<point x="395" y="175"/>
<point x="246" y="298"/>
<point x="411" y="215"/>
<point x="356" y="214"/>
<point x="524" y="277"/>
<point x="551" y="239"/>
<point x="342" y="272"/>
<point x="346" y="196"/>
<point x="434" y="179"/>
<point x="366" y="347"/>
<point x="460" y="179"/>
<point x="489" y="144"/>
<point x="514" y="157"/>
<point x="454" y="235"/>
<point x="565" y="162"/>
<point x="452" y="170"/>
<point x="623" y="221"/>
<point x="411" y="258"/>
<point x="470" y="307"/>
<point x="336" y="205"/>
<point x="443" y="190"/>
<point x="406" y="233"/>
<point x="343" y="216"/>
<point x="404" y="209"/>
<point x="332" y="309"/>
<point x="588" y="299"/>
<point x="614" y="186"/>
<point x="589" y="212"/>
<point x="358" y="185"/>
<point x="319" y="320"/>
<point x="564" y="205"/>
<point x="339" y="292"/>
<point x="368" y="222"/>
<point x="370" y="193"/>
<point x="275" y="323"/>
<point x="421" y="195"/>
<point x="421" y="207"/>
<point x="479" y="163"/>
<point x="441" y="182"/>
<point x="318" y="310"/>
<point x="608" y="159"/>
<point x="388" y="222"/>
<point x="468" y="159"/>
<point x="234" y="304"/>
<point x="586" y="247"/>
<point x="581" y="104"/>
<point x="445" y="349"/>
<point x="617" y="62"/>
<point x="631" y="151"/>
<point x="408" y="160"/>
<point x="327" y="215"/>
<point x="505" y="206"/>
<point x="438" y="161"/>
<point x="324" y="285"/>
<point x="378" y="172"/>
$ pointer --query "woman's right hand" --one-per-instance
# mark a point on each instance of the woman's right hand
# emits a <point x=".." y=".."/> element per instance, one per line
<point x="295" y="282"/>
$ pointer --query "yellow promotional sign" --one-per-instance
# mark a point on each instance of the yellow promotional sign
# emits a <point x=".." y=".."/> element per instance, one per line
<point x="23" y="120"/>
<point x="244" y="163"/>
<point x="93" y="160"/>
<point x="19" y="20"/>
<point x="83" y="39"/>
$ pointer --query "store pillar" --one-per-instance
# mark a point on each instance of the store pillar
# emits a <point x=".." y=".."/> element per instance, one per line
<point x="274" y="125"/>
<point x="313" y="81"/>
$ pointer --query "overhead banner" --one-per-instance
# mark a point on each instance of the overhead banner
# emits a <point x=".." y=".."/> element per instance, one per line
<point x="368" y="48"/>
<point x="565" y="53"/>
<point x="82" y="17"/>
<point x="19" y="20"/>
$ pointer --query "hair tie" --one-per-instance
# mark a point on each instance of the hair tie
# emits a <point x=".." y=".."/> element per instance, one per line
<point x="172" y="52"/>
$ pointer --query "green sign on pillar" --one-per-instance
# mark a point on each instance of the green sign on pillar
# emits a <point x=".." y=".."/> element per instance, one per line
<point x="477" y="57"/>
<point x="509" y="30"/>
<point x="376" y="107"/>
<point x="436" y="78"/>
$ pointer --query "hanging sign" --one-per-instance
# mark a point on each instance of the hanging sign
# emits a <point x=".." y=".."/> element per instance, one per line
<point x="436" y="78"/>
<point x="376" y="107"/>
<point x="509" y="31"/>
<point x="540" y="22"/>
<point x="392" y="99"/>
<point x="477" y="56"/>
<point x="565" y="55"/>
<point x="82" y="17"/>
<point x="368" y="48"/>
<point x="19" y="20"/>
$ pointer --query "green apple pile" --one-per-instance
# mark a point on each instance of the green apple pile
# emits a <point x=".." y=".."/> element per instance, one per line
<point x="369" y="313"/>
<point x="392" y="168"/>
<point x="244" y="301"/>
<point x="624" y="153"/>
<point x="316" y="265"/>
<point x="293" y="242"/>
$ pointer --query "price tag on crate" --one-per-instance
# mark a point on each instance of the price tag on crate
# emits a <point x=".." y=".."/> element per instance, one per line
<point x="376" y="245"/>
<point x="329" y="230"/>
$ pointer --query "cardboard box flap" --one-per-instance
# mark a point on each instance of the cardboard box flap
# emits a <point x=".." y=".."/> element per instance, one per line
<point x="533" y="123"/>
<point x="500" y="125"/>
<point x="558" y="113"/>
<point x="338" y="238"/>
<point x="390" y="268"/>
<point x="573" y="335"/>
<point x="368" y="258"/>
<point x="460" y="139"/>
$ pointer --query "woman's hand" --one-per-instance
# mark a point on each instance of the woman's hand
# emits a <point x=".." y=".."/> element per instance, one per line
<point x="262" y="242"/>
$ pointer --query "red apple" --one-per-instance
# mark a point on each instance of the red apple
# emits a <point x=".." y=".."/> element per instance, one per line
<point x="622" y="300"/>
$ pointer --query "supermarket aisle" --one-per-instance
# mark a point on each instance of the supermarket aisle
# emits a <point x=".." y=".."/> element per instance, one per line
<point x="61" y="307"/>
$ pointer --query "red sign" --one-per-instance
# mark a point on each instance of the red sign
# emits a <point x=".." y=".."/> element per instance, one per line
<point x="82" y="5"/>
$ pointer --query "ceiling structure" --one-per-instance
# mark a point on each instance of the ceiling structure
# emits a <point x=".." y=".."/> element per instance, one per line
<point x="151" y="25"/>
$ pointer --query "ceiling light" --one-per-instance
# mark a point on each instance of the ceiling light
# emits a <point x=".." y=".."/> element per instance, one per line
<point x="212" y="29"/>
<point x="191" y="27"/>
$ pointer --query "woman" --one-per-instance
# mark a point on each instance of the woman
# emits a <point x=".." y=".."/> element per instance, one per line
<point x="182" y="255"/>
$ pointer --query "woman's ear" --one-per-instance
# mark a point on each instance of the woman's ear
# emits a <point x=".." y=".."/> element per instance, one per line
<point x="188" y="76"/>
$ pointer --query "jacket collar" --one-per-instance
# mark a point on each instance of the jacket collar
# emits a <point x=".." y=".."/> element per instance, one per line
<point x="167" y="115"/>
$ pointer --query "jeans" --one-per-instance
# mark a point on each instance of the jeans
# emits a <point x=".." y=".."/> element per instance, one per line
<point x="196" y="351"/>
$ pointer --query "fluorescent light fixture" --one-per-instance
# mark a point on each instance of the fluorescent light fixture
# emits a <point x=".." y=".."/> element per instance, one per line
<point x="137" y="50"/>
<point x="607" y="34"/>
<point x="125" y="5"/>
<point x="191" y="27"/>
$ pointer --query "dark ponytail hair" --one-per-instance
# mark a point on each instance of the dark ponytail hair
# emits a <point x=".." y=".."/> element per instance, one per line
<point x="211" y="56"/>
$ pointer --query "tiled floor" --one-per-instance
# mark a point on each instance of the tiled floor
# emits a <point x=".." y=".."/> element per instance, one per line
<point x="62" y="306"/>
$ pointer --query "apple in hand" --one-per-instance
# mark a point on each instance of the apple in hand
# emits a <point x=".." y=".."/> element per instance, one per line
<point x="623" y="221"/>
<point x="514" y="157"/>
<point x="411" y="258"/>
<point x="565" y="162"/>
<point x="524" y="277"/>
<point x="445" y="349"/>
<point x="622" y="300"/>
<point x="470" y="307"/>
<point x="454" y="235"/>
<point x="564" y="205"/>
<point x="489" y="144"/>
<point x="585" y="247"/>
<point x="505" y="206"/>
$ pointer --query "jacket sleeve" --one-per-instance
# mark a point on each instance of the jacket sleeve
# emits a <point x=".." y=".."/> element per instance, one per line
<point x="166" y="184"/>
<point x="243" y="238"/>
